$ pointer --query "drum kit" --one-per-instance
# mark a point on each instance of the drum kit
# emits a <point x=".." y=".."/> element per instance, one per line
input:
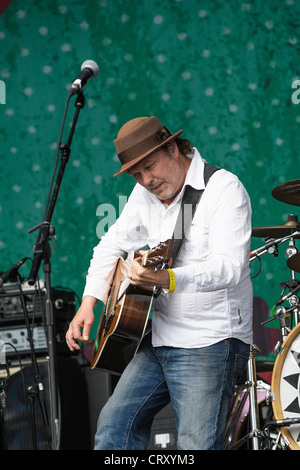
<point x="280" y="429"/>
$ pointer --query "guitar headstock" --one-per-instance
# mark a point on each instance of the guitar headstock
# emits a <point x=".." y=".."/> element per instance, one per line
<point x="161" y="253"/>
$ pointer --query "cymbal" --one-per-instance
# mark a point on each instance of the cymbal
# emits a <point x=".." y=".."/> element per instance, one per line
<point x="277" y="231"/>
<point x="294" y="263"/>
<point x="288" y="192"/>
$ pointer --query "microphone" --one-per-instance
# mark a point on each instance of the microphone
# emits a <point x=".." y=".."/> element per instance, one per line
<point x="11" y="271"/>
<point x="89" y="69"/>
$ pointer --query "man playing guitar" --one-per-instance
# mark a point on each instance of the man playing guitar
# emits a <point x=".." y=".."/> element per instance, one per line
<point x="201" y="319"/>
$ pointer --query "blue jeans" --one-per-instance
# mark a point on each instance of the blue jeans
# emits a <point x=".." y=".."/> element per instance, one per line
<point x="197" y="381"/>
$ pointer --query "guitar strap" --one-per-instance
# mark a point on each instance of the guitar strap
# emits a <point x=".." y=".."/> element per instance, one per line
<point x="189" y="203"/>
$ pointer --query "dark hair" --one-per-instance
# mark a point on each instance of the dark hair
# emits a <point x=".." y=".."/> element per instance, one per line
<point x="184" y="145"/>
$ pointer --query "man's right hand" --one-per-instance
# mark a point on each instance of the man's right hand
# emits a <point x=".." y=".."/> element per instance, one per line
<point x="80" y="326"/>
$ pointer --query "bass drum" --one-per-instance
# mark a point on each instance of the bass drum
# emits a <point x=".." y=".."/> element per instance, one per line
<point x="285" y="387"/>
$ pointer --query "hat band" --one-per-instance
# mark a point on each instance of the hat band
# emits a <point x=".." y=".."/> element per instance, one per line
<point x="144" y="146"/>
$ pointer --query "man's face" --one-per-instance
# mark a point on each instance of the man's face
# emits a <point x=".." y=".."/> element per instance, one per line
<point x="161" y="174"/>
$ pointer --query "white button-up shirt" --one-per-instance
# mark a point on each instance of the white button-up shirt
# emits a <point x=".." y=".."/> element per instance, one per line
<point x="213" y="296"/>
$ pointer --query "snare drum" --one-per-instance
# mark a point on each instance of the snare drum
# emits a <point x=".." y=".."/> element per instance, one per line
<point x="285" y="386"/>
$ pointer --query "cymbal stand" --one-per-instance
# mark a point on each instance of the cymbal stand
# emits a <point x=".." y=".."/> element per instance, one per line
<point x="291" y="251"/>
<point x="297" y="313"/>
<point x="253" y="405"/>
<point x="248" y="390"/>
<point x="294" y="300"/>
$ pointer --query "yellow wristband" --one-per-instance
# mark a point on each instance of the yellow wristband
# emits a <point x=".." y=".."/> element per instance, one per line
<point x="172" y="282"/>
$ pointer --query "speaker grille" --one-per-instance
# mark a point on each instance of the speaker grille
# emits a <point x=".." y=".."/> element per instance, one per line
<point x="24" y="425"/>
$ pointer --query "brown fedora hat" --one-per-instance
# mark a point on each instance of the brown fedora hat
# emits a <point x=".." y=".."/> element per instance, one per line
<point x="138" y="138"/>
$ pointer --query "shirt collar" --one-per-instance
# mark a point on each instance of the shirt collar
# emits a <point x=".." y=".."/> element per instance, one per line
<point x="195" y="176"/>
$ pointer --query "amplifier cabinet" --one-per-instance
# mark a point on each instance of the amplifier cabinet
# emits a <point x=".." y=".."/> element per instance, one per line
<point x="23" y="425"/>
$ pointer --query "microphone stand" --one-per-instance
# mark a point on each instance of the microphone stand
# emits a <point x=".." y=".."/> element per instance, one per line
<point x="42" y="252"/>
<point x="35" y="390"/>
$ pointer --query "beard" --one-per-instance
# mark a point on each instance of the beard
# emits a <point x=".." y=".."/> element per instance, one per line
<point x="161" y="193"/>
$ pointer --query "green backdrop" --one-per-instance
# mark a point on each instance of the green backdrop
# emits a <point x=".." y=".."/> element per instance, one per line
<point x="221" y="70"/>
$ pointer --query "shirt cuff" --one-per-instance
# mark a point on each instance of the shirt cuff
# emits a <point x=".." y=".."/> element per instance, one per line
<point x="97" y="288"/>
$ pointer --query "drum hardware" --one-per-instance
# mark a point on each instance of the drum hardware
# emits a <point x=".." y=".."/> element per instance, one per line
<point x="274" y="438"/>
<point x="294" y="302"/>
<point x="282" y="230"/>
<point x="276" y="231"/>
<point x="251" y="435"/>
<point x="271" y="436"/>
<point x="237" y="432"/>
<point x="291" y="250"/>
<point x="285" y="385"/>
<point x="277" y="445"/>
<point x="288" y="193"/>
<point x="269" y="396"/>
<point x="293" y="285"/>
<point x="278" y="348"/>
<point x="254" y="416"/>
<point x="276" y="433"/>
<point x="288" y="231"/>
<point x="286" y="371"/>
<point x="271" y="245"/>
<point x="248" y="391"/>
<point x="282" y="314"/>
<point x="282" y="422"/>
<point x="284" y="328"/>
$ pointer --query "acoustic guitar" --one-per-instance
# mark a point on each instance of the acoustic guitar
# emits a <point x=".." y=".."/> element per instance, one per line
<point x="125" y="315"/>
